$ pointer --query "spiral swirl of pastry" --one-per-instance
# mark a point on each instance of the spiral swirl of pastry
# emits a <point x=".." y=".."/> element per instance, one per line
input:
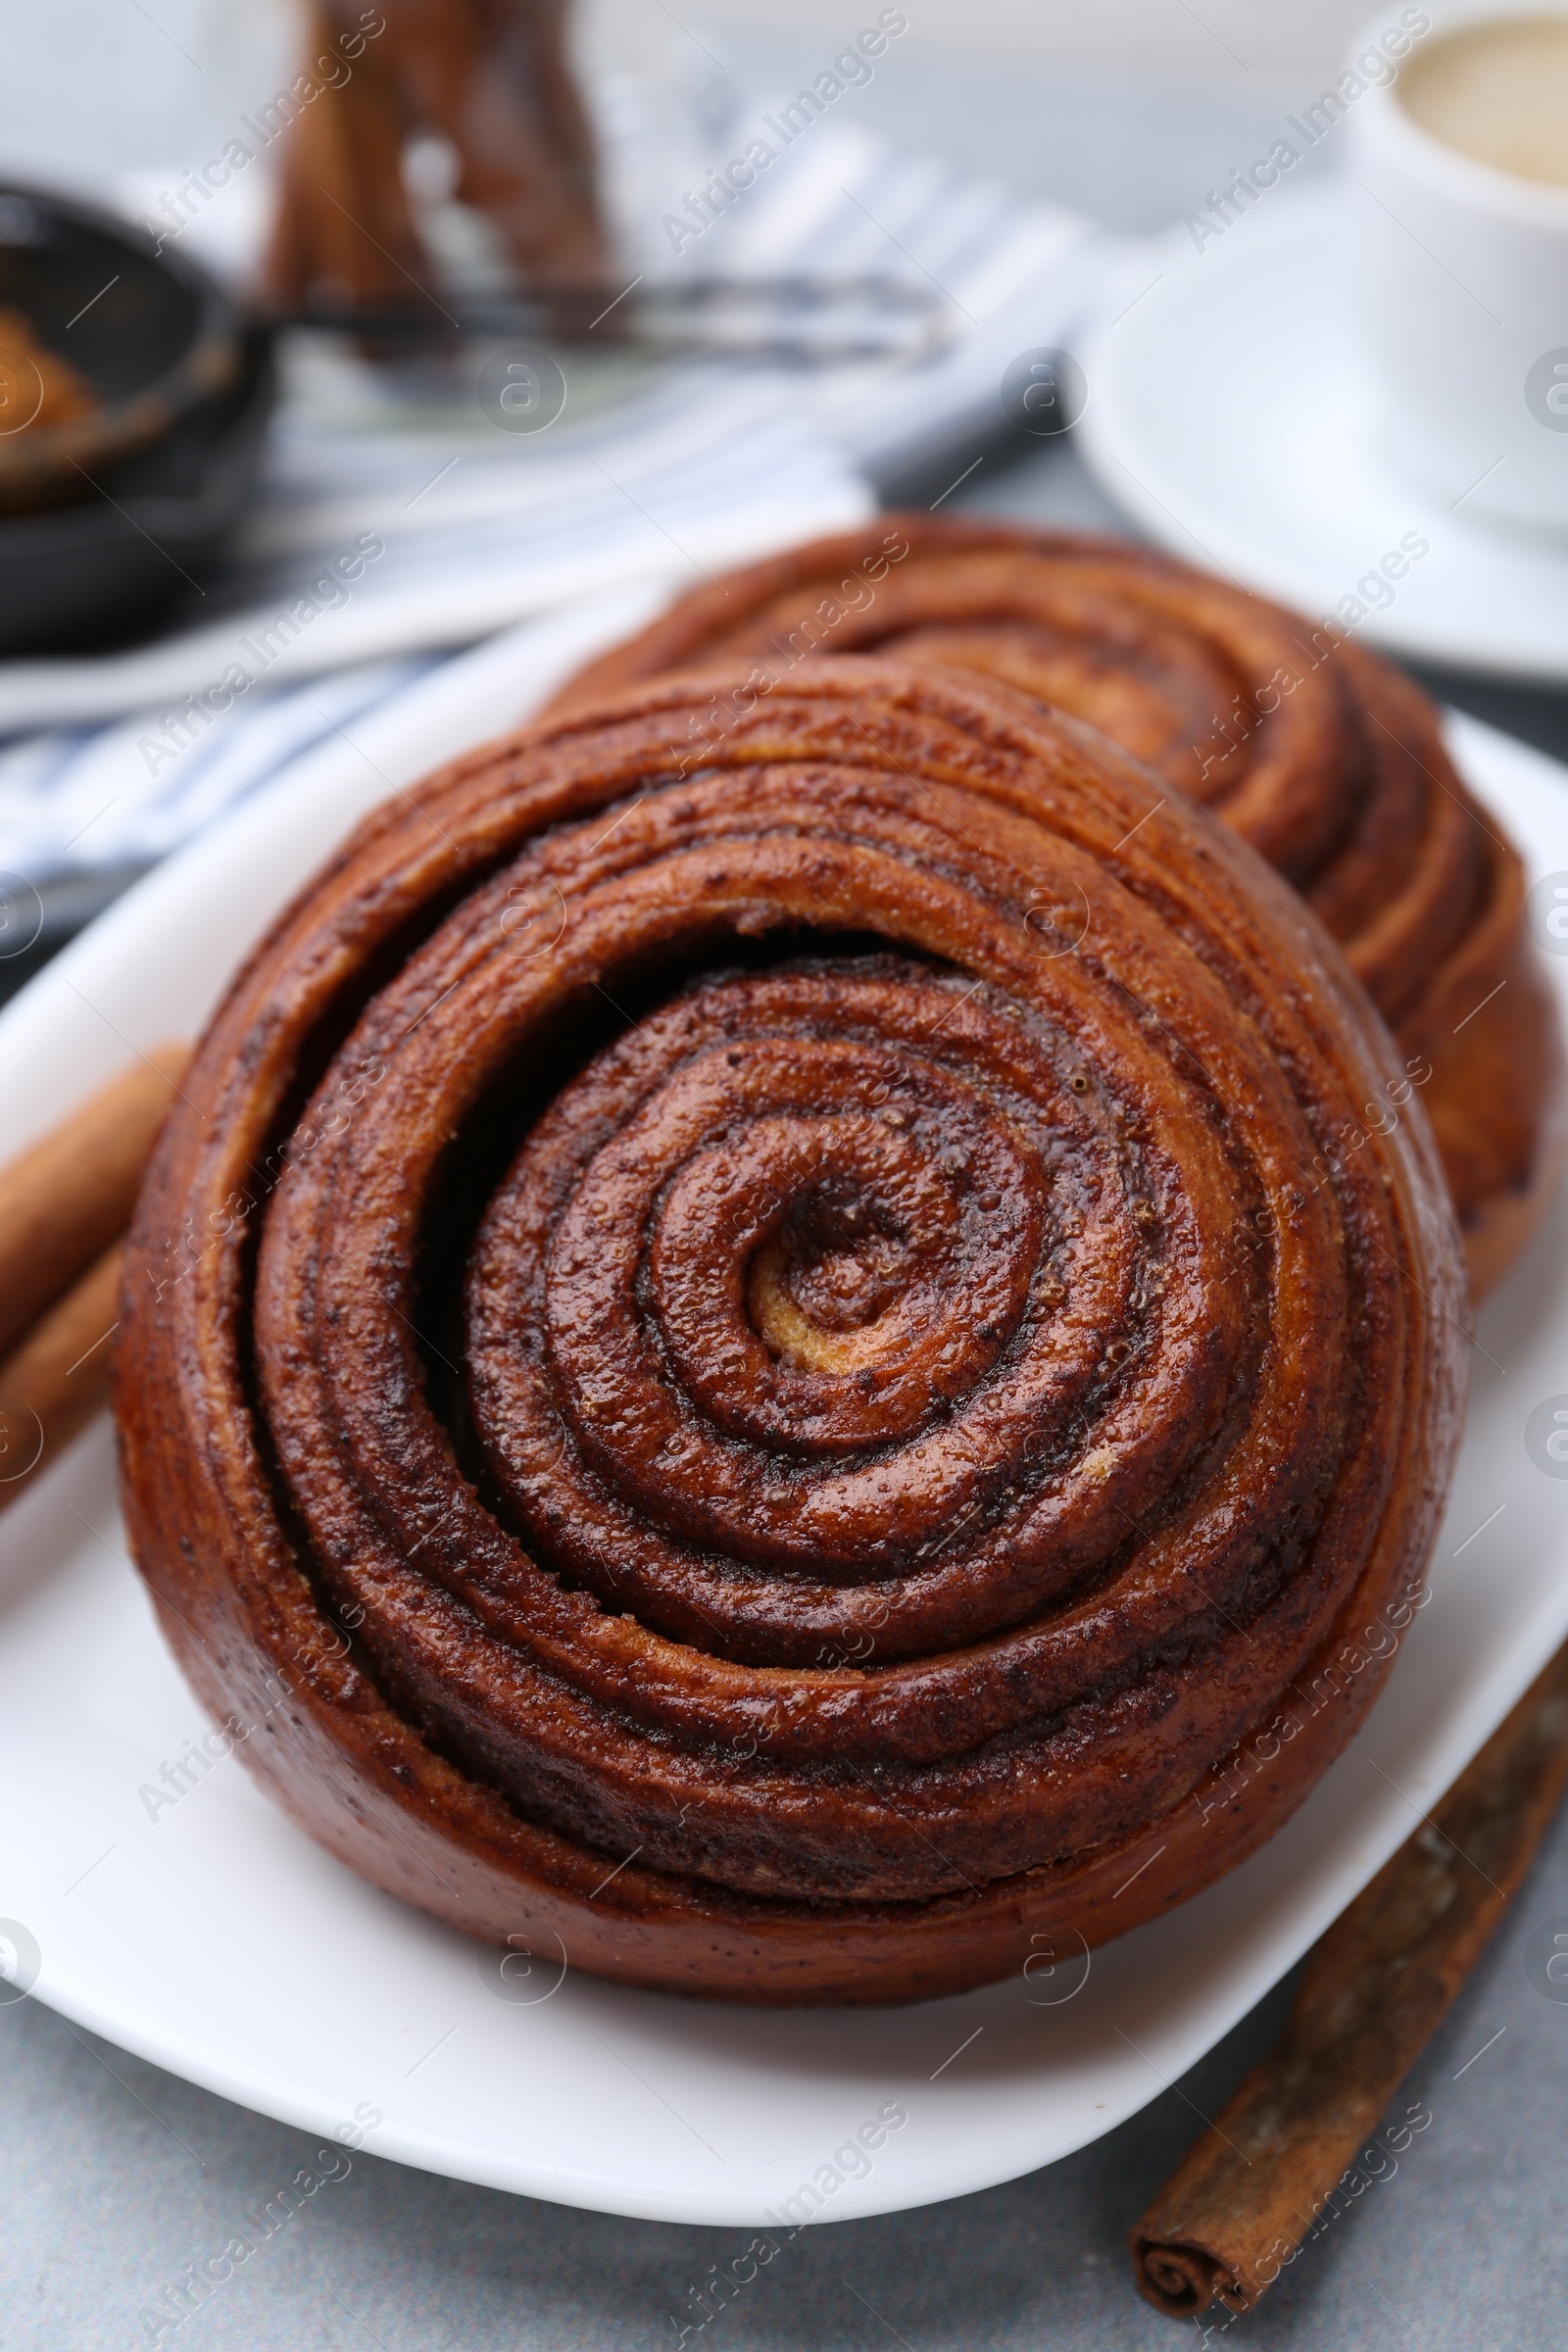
<point x="756" y="1305"/>
<point x="1327" y="760"/>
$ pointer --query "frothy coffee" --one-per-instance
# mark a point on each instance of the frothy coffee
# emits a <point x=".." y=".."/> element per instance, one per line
<point x="1498" y="92"/>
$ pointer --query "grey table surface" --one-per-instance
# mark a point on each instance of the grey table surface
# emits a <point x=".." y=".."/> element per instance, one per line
<point x="117" y="2175"/>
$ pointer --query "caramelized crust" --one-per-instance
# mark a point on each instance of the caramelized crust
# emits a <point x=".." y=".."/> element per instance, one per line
<point x="765" y="1314"/>
<point x="1327" y="760"/>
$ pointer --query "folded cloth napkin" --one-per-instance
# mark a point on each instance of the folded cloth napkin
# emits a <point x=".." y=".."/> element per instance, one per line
<point x="824" y="198"/>
<point x="394" y="525"/>
<point x="371" y="554"/>
<point x="372" y="539"/>
<point x="79" y="799"/>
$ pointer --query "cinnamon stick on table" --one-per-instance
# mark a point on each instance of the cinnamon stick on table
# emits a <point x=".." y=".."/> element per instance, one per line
<point x="493" y="79"/>
<point x="63" y="1207"/>
<point x="1375" y="1990"/>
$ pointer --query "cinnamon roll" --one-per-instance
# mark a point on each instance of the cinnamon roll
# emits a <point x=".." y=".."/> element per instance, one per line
<point x="786" y="1343"/>
<point x="1326" y="758"/>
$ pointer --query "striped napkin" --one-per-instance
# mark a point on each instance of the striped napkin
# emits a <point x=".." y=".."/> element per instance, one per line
<point x="372" y="555"/>
<point x="396" y="523"/>
<point x="1007" y="275"/>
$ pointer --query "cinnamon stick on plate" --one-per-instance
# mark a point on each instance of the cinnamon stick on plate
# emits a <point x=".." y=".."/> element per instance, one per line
<point x="69" y="1194"/>
<point x="63" y="1207"/>
<point x="1375" y="1990"/>
<point x="53" y="1383"/>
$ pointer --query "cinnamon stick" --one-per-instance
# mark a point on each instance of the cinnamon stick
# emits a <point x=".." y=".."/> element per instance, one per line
<point x="1376" y="1988"/>
<point x="344" y="230"/>
<point x="66" y="1198"/>
<point x="494" y="79"/>
<point x="55" y="1381"/>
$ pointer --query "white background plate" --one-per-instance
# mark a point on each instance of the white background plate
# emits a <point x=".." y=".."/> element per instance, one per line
<point x="217" y="1942"/>
<point x="1229" y="411"/>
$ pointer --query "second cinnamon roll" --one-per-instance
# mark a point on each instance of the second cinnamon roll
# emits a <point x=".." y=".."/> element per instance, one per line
<point x="1328" y="761"/>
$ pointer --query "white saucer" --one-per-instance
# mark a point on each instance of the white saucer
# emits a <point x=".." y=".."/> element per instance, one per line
<point x="1229" y="413"/>
<point x="212" y="1939"/>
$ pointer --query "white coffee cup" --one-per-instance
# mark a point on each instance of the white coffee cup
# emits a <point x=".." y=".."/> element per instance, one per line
<point x="1461" y="288"/>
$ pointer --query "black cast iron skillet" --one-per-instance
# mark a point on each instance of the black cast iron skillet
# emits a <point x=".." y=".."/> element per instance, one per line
<point x="106" y="519"/>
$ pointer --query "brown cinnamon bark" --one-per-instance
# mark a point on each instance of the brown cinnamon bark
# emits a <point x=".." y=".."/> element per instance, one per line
<point x="344" y="232"/>
<point x="70" y="1193"/>
<point x="1376" y="1988"/>
<point x="490" y="76"/>
<point x="55" y="1381"/>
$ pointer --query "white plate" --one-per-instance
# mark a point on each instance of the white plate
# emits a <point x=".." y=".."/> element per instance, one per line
<point x="212" y="1939"/>
<point x="1229" y="413"/>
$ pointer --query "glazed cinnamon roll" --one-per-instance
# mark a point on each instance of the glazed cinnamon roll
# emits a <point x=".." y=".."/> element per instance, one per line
<point x="783" y="1344"/>
<point x="1327" y="760"/>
